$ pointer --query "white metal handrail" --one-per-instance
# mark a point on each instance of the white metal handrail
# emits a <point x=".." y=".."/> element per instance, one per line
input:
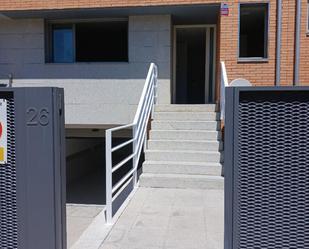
<point x="223" y="85"/>
<point x="139" y="127"/>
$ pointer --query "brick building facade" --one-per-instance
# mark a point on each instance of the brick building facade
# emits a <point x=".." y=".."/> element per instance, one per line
<point x="260" y="73"/>
<point x="99" y="51"/>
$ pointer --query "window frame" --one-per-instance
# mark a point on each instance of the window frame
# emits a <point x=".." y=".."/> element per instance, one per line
<point x="266" y="41"/>
<point x="49" y="38"/>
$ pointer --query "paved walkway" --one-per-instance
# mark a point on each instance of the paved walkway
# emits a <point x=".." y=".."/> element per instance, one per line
<point x="170" y="219"/>
<point x="79" y="217"/>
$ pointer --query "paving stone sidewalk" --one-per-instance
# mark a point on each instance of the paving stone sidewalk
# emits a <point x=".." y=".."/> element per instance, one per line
<point x="170" y="219"/>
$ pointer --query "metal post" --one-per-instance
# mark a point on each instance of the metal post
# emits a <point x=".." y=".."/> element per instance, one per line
<point x="224" y="83"/>
<point x="109" y="184"/>
<point x="156" y="84"/>
<point x="146" y="137"/>
<point x="297" y="42"/>
<point x="155" y="89"/>
<point x="10" y="79"/>
<point x="135" y="159"/>
<point x="279" y="36"/>
<point x="153" y="101"/>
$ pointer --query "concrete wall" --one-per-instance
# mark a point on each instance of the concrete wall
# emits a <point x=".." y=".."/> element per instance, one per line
<point x="78" y="145"/>
<point x="82" y="156"/>
<point x="95" y="93"/>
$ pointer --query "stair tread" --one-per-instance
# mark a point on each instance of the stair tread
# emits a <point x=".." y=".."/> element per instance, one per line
<point x="184" y="140"/>
<point x="183" y="163"/>
<point x="155" y="175"/>
<point x="184" y="121"/>
<point x="187" y="112"/>
<point x="186" y="105"/>
<point x="184" y="151"/>
<point x="191" y="131"/>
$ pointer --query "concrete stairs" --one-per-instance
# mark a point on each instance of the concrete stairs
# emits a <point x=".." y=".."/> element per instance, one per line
<point x="184" y="148"/>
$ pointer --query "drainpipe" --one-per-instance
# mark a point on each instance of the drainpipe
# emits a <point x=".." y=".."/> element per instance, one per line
<point x="297" y="42"/>
<point x="278" y="52"/>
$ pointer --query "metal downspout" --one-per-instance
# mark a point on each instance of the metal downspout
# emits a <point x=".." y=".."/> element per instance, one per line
<point x="279" y="36"/>
<point x="297" y="42"/>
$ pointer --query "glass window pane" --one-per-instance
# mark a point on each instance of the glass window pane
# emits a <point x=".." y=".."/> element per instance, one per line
<point x="62" y="45"/>
<point x="102" y="41"/>
<point x="253" y="30"/>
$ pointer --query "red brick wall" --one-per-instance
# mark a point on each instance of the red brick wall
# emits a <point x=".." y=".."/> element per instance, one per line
<point x="259" y="73"/>
<point x="288" y="42"/>
<point x="64" y="4"/>
<point x="264" y="73"/>
<point x="304" y="47"/>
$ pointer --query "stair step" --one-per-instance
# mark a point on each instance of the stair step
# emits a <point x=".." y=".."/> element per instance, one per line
<point x="181" y="181"/>
<point x="185" y="125"/>
<point x="188" y="168"/>
<point x="185" y="156"/>
<point x="184" y="148"/>
<point x="185" y="116"/>
<point x="185" y="108"/>
<point x="184" y="135"/>
<point x="184" y="145"/>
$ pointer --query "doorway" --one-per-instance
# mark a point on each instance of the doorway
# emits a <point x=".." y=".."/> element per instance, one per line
<point x="194" y="64"/>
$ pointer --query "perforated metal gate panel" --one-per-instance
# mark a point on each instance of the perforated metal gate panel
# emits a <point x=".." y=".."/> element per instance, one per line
<point x="8" y="189"/>
<point x="269" y="178"/>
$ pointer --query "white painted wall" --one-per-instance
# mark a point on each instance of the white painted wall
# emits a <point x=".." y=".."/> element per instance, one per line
<point x="95" y="93"/>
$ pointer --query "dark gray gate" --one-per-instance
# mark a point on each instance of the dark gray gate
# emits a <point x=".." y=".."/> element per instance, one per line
<point x="267" y="168"/>
<point x="32" y="178"/>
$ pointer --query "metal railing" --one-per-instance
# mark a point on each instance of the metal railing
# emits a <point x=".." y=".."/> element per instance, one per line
<point x="223" y="85"/>
<point x="139" y="127"/>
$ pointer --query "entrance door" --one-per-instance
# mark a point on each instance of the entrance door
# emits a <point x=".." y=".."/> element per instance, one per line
<point x="194" y="65"/>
